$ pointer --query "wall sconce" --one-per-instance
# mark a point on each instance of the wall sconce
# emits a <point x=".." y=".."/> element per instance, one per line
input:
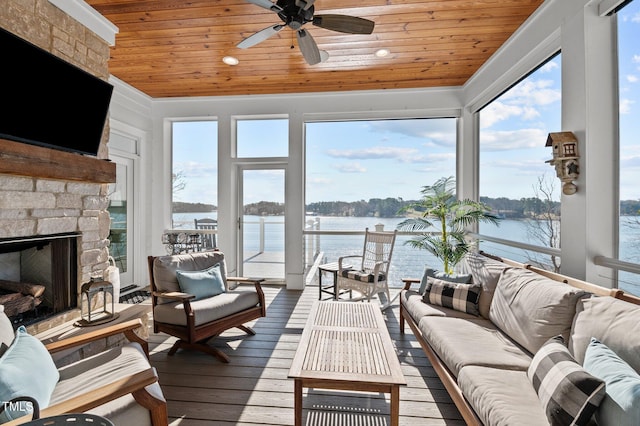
<point x="96" y="303"/>
<point x="565" y="159"/>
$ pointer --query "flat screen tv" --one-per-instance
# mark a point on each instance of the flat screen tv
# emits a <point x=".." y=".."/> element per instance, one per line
<point x="49" y="102"/>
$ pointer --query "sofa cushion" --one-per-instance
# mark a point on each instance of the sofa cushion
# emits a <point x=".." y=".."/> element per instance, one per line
<point x="486" y="272"/>
<point x="26" y="369"/>
<point x="614" y="322"/>
<point x="458" y="296"/>
<point x="165" y="267"/>
<point x="472" y="341"/>
<point x="201" y="284"/>
<point x="568" y="393"/>
<point x="434" y="273"/>
<point x="531" y="308"/>
<point x="416" y="308"/>
<point x="621" y="404"/>
<point x="207" y="310"/>
<point x="501" y="397"/>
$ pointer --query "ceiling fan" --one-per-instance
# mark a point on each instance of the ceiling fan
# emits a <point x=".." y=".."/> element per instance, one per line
<point x="294" y="14"/>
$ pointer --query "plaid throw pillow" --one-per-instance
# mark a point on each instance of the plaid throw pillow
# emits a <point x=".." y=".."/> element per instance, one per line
<point x="459" y="296"/>
<point x="569" y="395"/>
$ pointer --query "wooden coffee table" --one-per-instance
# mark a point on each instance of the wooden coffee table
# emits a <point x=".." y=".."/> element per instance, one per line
<point x="346" y="345"/>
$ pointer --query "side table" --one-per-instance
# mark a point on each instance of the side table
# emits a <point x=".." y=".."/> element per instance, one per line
<point x="331" y="289"/>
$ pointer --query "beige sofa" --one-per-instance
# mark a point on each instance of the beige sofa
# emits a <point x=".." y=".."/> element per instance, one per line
<point x="483" y="360"/>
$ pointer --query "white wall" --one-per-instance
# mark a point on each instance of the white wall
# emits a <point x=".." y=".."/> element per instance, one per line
<point x="298" y="109"/>
<point x="589" y="110"/>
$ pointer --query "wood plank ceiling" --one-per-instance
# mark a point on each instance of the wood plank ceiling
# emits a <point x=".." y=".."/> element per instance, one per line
<point x="172" y="48"/>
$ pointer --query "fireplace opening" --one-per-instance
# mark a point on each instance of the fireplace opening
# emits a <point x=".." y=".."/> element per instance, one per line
<point x="38" y="277"/>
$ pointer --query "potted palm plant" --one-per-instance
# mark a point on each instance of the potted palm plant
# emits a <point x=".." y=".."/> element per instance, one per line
<point x="453" y="216"/>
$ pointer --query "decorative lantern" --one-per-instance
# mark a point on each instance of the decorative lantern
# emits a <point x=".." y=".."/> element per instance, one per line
<point x="96" y="303"/>
<point x="565" y="159"/>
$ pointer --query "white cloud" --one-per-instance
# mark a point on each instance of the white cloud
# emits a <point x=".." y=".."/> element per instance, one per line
<point x="533" y="93"/>
<point x="625" y="105"/>
<point x="522" y="101"/>
<point x="406" y="155"/>
<point x="496" y="112"/>
<point x="351" y="168"/>
<point x="635" y="59"/>
<point x="512" y="139"/>
<point x="631" y="78"/>
<point x="636" y="18"/>
<point x="549" y="66"/>
<point x="193" y="169"/>
<point x="319" y="181"/>
<point x="630" y="162"/>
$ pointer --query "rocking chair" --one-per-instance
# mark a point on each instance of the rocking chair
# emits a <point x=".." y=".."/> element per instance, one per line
<point x="370" y="276"/>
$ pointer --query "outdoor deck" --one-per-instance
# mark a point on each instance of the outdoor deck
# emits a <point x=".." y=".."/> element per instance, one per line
<point x="253" y="389"/>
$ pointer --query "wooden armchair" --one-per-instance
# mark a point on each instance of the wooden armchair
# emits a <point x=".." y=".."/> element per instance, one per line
<point x="197" y="320"/>
<point x="118" y="383"/>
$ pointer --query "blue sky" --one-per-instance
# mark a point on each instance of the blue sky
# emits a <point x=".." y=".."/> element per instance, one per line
<point x="629" y="60"/>
<point x="350" y="161"/>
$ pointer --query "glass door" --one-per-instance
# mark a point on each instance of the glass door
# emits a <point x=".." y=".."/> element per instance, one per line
<point x="261" y="223"/>
<point x="121" y="212"/>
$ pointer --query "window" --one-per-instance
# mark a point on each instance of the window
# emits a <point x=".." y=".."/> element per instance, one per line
<point x="514" y="178"/>
<point x="194" y="172"/>
<point x="629" y="81"/>
<point x="262" y="138"/>
<point x="360" y="173"/>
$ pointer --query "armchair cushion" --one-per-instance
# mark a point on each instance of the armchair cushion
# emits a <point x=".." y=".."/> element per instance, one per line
<point x="26" y="369"/>
<point x="6" y="331"/>
<point x="101" y="369"/>
<point x="207" y="310"/>
<point x="165" y="267"/>
<point x="202" y="284"/>
<point x="362" y="276"/>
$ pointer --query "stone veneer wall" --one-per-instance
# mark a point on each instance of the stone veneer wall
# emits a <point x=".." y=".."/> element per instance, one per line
<point x="35" y="206"/>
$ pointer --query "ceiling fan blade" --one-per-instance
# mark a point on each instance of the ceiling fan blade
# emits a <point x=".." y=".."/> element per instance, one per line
<point x="260" y="36"/>
<point x="305" y="4"/>
<point x="344" y="24"/>
<point x="267" y="5"/>
<point x="308" y="47"/>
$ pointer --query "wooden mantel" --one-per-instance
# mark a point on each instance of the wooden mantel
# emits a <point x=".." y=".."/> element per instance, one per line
<point x="22" y="159"/>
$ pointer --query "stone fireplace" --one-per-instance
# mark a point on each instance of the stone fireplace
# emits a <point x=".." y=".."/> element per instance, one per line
<point x="59" y="228"/>
<point x="43" y="192"/>
<point x="38" y="276"/>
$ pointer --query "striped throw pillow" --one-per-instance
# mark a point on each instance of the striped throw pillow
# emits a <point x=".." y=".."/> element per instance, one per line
<point x="569" y="395"/>
<point x="459" y="296"/>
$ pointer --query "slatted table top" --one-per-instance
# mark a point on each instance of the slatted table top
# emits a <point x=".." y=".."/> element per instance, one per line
<point x="346" y="342"/>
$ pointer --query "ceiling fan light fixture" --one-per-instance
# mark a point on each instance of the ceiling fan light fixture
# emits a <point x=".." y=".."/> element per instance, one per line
<point x="230" y="60"/>
<point x="381" y="53"/>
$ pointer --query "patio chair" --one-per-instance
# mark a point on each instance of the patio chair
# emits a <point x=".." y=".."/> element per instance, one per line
<point x="117" y="383"/>
<point x="209" y="241"/>
<point x="368" y="276"/>
<point x="194" y="299"/>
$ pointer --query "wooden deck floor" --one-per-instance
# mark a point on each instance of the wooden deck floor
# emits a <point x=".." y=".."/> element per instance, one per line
<point x="254" y="389"/>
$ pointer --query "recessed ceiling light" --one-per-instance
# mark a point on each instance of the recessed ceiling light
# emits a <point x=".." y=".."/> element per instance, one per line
<point x="230" y="60"/>
<point x="381" y="53"/>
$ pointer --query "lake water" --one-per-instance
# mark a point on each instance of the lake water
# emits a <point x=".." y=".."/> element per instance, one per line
<point x="407" y="261"/>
